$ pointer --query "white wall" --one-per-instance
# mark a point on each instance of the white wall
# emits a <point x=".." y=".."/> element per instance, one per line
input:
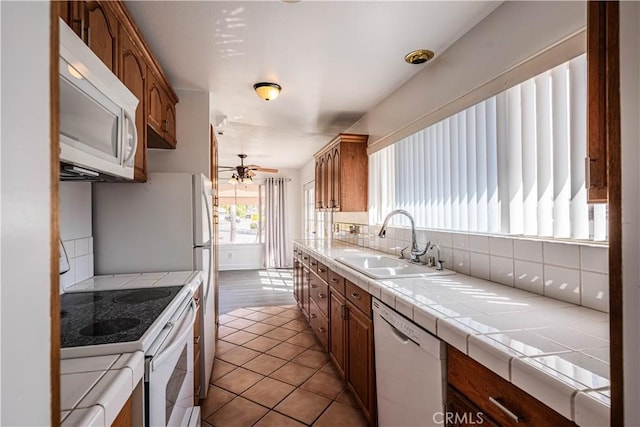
<point x="241" y="257"/>
<point x="192" y="153"/>
<point x="512" y="33"/>
<point x="25" y="210"/>
<point x="76" y="231"/>
<point x="630" y="110"/>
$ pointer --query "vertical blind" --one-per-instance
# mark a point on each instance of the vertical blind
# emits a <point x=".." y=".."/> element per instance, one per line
<point x="512" y="164"/>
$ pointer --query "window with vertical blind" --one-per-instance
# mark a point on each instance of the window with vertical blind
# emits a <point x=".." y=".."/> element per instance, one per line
<point x="511" y="164"/>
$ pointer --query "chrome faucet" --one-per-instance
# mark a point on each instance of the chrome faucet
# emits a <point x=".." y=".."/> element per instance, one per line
<point x="433" y="261"/>
<point x="416" y="253"/>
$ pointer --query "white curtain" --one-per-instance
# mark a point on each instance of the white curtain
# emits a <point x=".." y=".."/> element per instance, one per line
<point x="276" y="233"/>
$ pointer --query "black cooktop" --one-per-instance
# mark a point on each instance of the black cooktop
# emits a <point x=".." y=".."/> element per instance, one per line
<point x="106" y="317"/>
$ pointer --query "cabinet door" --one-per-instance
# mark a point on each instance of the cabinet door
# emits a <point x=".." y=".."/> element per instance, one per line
<point x="336" y="178"/>
<point x="155" y="96"/>
<point x="101" y="32"/>
<point x="169" y="122"/>
<point x="327" y="180"/>
<point x="306" y="277"/>
<point x="337" y="352"/>
<point x="360" y="373"/>
<point x="132" y="74"/>
<point x="65" y="11"/>
<point x="318" y="179"/>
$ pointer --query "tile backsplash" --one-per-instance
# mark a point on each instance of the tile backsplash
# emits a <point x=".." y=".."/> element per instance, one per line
<point x="568" y="271"/>
<point x="80" y="255"/>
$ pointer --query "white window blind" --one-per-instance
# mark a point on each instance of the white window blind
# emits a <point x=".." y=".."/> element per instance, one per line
<point x="512" y="164"/>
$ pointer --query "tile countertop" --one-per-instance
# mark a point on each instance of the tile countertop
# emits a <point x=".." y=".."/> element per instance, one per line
<point x="556" y="351"/>
<point x="94" y="389"/>
<point x="137" y="280"/>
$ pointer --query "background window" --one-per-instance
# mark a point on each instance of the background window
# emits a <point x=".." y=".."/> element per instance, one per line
<point x="241" y="213"/>
<point x="511" y="164"/>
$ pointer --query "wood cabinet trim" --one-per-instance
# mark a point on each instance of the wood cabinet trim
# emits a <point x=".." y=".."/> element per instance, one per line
<point x="121" y="11"/>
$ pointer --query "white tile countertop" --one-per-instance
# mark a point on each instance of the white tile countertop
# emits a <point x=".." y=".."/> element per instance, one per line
<point x="137" y="280"/>
<point x="94" y="389"/>
<point x="556" y="351"/>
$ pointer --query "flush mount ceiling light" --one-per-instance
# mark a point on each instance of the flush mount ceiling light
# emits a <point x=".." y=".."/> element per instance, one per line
<point x="419" y="56"/>
<point x="267" y="91"/>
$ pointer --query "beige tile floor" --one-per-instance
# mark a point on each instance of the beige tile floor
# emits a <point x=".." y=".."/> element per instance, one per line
<point x="271" y="371"/>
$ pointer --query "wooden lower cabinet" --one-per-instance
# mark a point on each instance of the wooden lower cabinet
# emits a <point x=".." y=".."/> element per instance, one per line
<point x="360" y="367"/>
<point x="460" y="412"/>
<point x="496" y="398"/>
<point x="125" y="416"/>
<point x="339" y="314"/>
<point x="337" y="310"/>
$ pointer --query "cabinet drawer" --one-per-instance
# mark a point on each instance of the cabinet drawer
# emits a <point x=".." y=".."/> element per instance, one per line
<point x="336" y="282"/>
<point x="497" y="398"/>
<point x="319" y="324"/>
<point x="323" y="271"/>
<point x="305" y="258"/>
<point x="313" y="264"/>
<point x="358" y="297"/>
<point x="319" y="293"/>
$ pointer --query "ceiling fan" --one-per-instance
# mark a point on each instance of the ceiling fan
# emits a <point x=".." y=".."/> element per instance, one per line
<point x="244" y="174"/>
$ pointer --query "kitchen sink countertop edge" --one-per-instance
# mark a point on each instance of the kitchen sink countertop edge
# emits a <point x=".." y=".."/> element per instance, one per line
<point x="554" y="350"/>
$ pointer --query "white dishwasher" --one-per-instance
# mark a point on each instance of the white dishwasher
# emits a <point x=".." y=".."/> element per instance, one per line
<point x="409" y="371"/>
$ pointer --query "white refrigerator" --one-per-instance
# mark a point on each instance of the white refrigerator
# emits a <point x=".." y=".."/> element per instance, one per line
<point x="164" y="224"/>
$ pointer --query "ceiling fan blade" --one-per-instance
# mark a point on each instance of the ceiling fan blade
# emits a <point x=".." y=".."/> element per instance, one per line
<point x="268" y="170"/>
<point x="251" y="173"/>
<point x="226" y="168"/>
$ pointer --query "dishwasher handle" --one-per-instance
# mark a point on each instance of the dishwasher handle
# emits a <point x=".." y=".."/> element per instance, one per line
<point x="402" y="338"/>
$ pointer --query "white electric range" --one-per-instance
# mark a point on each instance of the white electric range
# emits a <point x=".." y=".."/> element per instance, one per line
<point x="149" y="312"/>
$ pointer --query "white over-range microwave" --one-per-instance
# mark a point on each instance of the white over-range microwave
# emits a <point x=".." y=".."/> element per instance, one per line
<point x="98" y="137"/>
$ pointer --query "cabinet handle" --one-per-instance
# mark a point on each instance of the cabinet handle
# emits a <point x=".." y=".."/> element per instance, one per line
<point x="314" y="286"/>
<point x="313" y="316"/>
<point x="196" y="340"/>
<point x="322" y="295"/>
<point x="197" y="301"/>
<point x="504" y="409"/>
<point x="344" y="314"/>
<point x="334" y="280"/>
<point x="196" y="392"/>
<point x="355" y="295"/>
<point x="314" y="263"/>
<point x="322" y="270"/>
<point x="305" y="257"/>
<point x="321" y="329"/>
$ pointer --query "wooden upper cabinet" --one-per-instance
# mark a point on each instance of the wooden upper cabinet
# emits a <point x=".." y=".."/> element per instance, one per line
<point x="319" y="187"/>
<point x="133" y="75"/>
<point x="603" y="94"/>
<point x="161" y="109"/>
<point x="335" y="178"/>
<point x="170" y="121"/>
<point x="100" y="32"/>
<point x="155" y="108"/>
<point x="342" y="174"/>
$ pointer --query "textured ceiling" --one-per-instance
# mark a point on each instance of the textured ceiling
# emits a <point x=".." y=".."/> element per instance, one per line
<point x="334" y="60"/>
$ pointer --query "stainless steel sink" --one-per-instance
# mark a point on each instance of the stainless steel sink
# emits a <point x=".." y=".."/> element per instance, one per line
<point x="388" y="267"/>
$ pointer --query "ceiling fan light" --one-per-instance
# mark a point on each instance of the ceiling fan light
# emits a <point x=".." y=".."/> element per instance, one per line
<point x="234" y="179"/>
<point x="267" y="91"/>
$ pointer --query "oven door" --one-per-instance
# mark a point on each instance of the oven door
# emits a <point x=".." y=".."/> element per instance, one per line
<point x="169" y="370"/>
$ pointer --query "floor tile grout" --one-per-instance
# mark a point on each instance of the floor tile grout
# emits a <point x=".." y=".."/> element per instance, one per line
<point x="315" y="370"/>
